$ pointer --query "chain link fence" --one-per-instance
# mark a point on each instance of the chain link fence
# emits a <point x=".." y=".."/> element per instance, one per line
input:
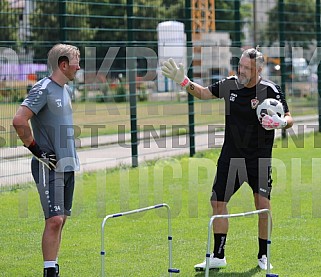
<point x="120" y="98"/>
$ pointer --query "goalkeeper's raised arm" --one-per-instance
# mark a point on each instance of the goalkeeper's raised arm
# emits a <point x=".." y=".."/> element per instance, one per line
<point x="177" y="74"/>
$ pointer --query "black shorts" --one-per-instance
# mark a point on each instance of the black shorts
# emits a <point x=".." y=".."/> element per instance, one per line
<point x="230" y="176"/>
<point x="55" y="189"/>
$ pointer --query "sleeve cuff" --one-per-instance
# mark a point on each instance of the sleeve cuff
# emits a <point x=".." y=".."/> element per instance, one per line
<point x="185" y="82"/>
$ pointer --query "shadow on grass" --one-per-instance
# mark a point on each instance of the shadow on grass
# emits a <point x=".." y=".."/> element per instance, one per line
<point x="220" y="272"/>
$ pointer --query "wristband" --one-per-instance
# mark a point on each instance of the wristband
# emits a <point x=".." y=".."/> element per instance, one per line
<point x="185" y="82"/>
<point x="33" y="143"/>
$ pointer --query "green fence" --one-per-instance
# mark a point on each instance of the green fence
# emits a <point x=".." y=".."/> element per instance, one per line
<point x="120" y="95"/>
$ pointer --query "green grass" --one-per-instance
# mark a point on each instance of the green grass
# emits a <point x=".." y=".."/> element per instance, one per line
<point x="137" y="245"/>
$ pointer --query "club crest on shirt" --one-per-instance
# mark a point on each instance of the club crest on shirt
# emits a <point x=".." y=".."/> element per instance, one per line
<point x="254" y="103"/>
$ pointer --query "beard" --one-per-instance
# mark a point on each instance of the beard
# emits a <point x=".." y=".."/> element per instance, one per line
<point x="243" y="80"/>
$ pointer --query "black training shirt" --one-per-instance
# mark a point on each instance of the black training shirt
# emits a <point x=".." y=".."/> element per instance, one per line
<point x="244" y="136"/>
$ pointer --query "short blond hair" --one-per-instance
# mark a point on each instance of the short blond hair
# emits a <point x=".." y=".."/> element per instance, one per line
<point x="61" y="52"/>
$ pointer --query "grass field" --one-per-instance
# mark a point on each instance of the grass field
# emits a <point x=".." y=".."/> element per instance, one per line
<point x="137" y="245"/>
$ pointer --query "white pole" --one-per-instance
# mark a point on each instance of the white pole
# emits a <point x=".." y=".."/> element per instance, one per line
<point x="103" y="253"/>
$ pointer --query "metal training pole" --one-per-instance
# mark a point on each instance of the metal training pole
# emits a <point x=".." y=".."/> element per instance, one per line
<point x="103" y="253"/>
<point x="209" y="237"/>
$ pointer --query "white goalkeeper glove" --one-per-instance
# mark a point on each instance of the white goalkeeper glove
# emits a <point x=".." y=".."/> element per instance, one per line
<point x="272" y="121"/>
<point x="176" y="73"/>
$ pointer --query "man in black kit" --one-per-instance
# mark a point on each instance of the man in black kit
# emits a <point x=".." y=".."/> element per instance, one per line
<point x="247" y="149"/>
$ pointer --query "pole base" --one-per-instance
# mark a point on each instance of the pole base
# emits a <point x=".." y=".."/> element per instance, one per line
<point x="173" y="270"/>
<point x="271" y="275"/>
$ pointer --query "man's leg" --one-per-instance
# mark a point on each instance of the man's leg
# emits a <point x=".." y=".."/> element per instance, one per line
<point x="220" y="225"/>
<point x="50" y="185"/>
<point x="63" y="224"/>
<point x="261" y="184"/>
<point x="68" y="190"/>
<point x="262" y="202"/>
<point x="220" y="228"/>
<point x="51" y="237"/>
<point x="226" y="183"/>
<point x="228" y="180"/>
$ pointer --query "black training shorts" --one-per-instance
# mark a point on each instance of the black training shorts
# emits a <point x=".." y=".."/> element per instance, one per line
<point x="230" y="176"/>
<point x="55" y="189"/>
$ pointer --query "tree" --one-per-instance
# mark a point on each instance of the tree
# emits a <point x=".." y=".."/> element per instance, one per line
<point x="298" y="22"/>
<point x="9" y="19"/>
<point x="224" y="17"/>
<point x="47" y="30"/>
<point x="110" y="20"/>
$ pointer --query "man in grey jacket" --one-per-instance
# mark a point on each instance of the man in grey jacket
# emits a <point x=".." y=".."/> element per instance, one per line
<point x="51" y="141"/>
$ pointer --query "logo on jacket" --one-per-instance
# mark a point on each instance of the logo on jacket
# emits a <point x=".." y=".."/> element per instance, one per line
<point x="59" y="103"/>
<point x="233" y="97"/>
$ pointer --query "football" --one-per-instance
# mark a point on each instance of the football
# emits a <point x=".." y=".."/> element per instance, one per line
<point x="268" y="105"/>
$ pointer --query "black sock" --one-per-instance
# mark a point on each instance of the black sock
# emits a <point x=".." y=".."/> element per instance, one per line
<point x="219" y="245"/>
<point x="262" y="248"/>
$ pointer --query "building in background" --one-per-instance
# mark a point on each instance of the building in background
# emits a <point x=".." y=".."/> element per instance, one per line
<point x="171" y="44"/>
<point x="211" y="59"/>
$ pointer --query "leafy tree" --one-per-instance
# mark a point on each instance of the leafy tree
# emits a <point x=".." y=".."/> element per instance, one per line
<point x="225" y="17"/>
<point x="9" y="23"/>
<point x="46" y="24"/>
<point x="152" y="12"/>
<point x="110" y="20"/>
<point x="298" y="21"/>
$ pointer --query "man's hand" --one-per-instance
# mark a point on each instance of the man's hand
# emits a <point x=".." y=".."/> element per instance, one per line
<point x="176" y="73"/>
<point x="273" y="121"/>
<point x="47" y="159"/>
